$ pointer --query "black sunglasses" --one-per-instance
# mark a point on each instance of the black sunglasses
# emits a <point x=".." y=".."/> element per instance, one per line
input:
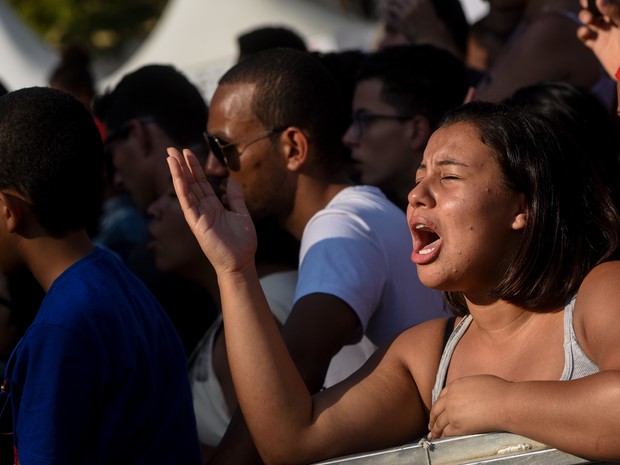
<point x="227" y="151"/>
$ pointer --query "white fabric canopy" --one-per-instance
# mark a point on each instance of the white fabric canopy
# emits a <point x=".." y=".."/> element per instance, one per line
<point x="25" y="59"/>
<point x="199" y="36"/>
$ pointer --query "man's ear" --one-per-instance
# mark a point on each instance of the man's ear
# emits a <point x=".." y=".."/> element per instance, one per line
<point x="11" y="211"/>
<point x="520" y="219"/>
<point x="420" y="133"/>
<point x="295" y="145"/>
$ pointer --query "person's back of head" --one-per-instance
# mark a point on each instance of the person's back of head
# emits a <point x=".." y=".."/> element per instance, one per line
<point x="73" y="74"/>
<point x="264" y="38"/>
<point x="159" y="92"/>
<point x="52" y="156"/>
<point x="293" y="88"/>
<point x="417" y="79"/>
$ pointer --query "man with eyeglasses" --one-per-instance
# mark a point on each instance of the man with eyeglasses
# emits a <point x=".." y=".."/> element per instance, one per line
<point x="152" y="108"/>
<point x="400" y="95"/>
<point x="274" y="128"/>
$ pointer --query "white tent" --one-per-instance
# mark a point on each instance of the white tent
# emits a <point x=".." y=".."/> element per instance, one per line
<point x="199" y="36"/>
<point x="25" y="59"/>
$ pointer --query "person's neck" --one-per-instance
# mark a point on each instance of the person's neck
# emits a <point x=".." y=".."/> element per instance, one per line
<point x="49" y="257"/>
<point x="313" y="193"/>
<point x="500" y="320"/>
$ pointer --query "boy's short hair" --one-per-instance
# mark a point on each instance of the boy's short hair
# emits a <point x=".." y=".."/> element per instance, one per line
<point x="160" y="92"/>
<point x="51" y="154"/>
<point x="417" y="79"/>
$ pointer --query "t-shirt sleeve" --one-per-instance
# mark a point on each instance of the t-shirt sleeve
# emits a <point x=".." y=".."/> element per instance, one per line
<point x="53" y="384"/>
<point x="342" y="256"/>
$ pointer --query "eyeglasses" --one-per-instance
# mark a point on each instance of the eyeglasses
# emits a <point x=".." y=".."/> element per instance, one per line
<point x="361" y="118"/>
<point x="123" y="131"/>
<point x="224" y="152"/>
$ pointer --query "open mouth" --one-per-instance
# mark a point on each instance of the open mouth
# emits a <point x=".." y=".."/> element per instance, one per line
<point x="426" y="239"/>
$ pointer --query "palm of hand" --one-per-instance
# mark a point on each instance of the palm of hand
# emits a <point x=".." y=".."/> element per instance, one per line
<point x="227" y="237"/>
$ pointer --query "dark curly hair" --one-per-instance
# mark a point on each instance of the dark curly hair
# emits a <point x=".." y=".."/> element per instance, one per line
<point x="51" y="153"/>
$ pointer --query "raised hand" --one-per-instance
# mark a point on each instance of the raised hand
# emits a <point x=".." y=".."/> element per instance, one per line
<point x="226" y="236"/>
<point x="602" y="33"/>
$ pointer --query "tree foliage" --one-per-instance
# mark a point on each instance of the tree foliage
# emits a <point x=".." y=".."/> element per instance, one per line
<point x="103" y="26"/>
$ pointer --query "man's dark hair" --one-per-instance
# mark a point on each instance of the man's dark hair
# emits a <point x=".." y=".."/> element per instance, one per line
<point x="264" y="38"/>
<point x="417" y="79"/>
<point x="572" y="223"/>
<point x="294" y="88"/>
<point x="51" y="153"/>
<point x="160" y="92"/>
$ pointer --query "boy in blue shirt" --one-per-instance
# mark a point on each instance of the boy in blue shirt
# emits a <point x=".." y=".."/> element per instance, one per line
<point x="100" y="376"/>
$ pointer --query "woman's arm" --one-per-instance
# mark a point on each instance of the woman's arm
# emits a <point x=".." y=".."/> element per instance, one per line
<point x="581" y="416"/>
<point x="378" y="407"/>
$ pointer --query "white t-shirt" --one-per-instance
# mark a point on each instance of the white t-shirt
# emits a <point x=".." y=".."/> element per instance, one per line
<point x="358" y="248"/>
<point x="212" y="416"/>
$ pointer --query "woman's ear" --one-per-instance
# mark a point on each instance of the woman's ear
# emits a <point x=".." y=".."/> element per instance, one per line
<point x="520" y="219"/>
<point x="295" y="145"/>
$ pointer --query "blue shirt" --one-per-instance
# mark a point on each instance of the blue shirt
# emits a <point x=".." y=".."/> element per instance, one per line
<point x="100" y="376"/>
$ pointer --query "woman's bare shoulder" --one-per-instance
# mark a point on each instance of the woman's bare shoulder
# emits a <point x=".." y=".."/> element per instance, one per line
<point x="597" y="309"/>
<point x="420" y="348"/>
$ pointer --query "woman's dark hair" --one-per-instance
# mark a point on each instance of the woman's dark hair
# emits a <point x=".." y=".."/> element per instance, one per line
<point x="582" y="117"/>
<point x="572" y="223"/>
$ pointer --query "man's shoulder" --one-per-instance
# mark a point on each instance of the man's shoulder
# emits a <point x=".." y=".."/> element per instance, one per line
<point x="364" y="202"/>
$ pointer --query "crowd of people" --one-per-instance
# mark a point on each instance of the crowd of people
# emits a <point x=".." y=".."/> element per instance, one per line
<point x="336" y="253"/>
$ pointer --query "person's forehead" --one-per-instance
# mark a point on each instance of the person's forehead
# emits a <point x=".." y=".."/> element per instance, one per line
<point x="368" y="92"/>
<point x="232" y="101"/>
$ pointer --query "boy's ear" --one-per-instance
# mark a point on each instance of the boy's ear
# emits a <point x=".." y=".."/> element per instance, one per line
<point x="11" y="211"/>
<point x="295" y="145"/>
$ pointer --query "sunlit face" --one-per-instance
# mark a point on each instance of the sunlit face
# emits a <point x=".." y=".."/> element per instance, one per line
<point x="465" y="223"/>
<point x="260" y="169"/>
<point x="175" y="248"/>
<point x="380" y="148"/>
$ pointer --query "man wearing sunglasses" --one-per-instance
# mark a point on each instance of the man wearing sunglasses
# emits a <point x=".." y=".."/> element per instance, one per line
<point x="400" y="95"/>
<point x="274" y="128"/>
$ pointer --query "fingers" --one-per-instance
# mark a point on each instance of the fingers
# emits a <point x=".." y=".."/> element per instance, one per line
<point x="179" y="179"/>
<point x="610" y="8"/>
